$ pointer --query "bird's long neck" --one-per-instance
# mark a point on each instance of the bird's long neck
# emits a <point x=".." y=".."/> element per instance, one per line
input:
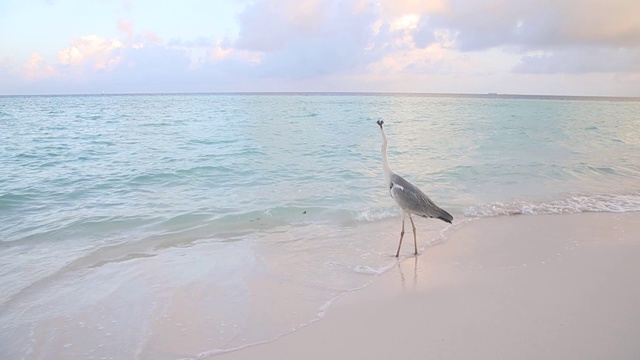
<point x="385" y="161"/>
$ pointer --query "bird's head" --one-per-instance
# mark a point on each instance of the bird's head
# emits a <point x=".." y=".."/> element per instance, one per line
<point x="380" y="123"/>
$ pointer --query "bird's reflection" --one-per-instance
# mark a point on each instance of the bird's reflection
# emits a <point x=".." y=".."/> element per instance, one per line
<point x="404" y="268"/>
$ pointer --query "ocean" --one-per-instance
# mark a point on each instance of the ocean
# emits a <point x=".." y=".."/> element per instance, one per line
<point x="124" y="214"/>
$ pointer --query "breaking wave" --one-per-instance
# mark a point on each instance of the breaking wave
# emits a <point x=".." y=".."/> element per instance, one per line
<point x="573" y="204"/>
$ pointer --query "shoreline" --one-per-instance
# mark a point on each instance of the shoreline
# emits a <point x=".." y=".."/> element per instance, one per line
<point x="541" y="286"/>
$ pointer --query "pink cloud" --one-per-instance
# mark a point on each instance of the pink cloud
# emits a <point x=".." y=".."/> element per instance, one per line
<point x="126" y="27"/>
<point x="93" y="51"/>
<point x="37" y="68"/>
<point x="149" y="36"/>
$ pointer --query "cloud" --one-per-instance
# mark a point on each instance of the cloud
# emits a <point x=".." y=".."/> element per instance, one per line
<point x="391" y="9"/>
<point x="152" y="63"/>
<point x="126" y="27"/>
<point x="95" y="64"/>
<point x="581" y="60"/>
<point x="376" y="45"/>
<point x="220" y="50"/>
<point x="271" y="25"/>
<point x="537" y="24"/>
<point x="210" y="52"/>
<point x="152" y="37"/>
<point x="569" y="36"/>
<point x="92" y="52"/>
<point x="314" y="38"/>
<point x="37" y="68"/>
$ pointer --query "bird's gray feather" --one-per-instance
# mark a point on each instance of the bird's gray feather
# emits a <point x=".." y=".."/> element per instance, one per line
<point x="413" y="200"/>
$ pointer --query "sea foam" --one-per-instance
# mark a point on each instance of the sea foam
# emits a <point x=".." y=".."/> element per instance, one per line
<point x="570" y="205"/>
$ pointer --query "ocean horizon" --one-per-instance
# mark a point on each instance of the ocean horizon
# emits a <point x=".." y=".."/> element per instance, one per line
<point x="357" y="93"/>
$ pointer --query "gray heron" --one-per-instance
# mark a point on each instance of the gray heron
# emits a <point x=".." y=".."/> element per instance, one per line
<point x="410" y="199"/>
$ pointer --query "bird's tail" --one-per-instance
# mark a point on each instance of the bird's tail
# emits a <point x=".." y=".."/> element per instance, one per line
<point x="444" y="216"/>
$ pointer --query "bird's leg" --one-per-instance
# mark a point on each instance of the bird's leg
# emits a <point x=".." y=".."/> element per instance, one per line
<point x="401" y="235"/>
<point x="415" y="242"/>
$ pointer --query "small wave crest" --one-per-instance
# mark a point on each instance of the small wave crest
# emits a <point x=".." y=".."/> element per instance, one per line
<point x="375" y="214"/>
<point x="570" y="205"/>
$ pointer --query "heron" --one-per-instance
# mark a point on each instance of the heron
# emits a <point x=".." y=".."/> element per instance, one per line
<point x="409" y="198"/>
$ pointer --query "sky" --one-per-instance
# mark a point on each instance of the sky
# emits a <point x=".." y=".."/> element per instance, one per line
<point x="543" y="47"/>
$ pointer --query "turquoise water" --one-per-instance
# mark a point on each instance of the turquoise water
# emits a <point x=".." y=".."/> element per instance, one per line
<point x="111" y="202"/>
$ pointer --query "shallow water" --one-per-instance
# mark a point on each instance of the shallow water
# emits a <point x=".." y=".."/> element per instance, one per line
<point x="114" y="209"/>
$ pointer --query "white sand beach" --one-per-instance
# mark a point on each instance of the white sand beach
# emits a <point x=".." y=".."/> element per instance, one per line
<point x="516" y="287"/>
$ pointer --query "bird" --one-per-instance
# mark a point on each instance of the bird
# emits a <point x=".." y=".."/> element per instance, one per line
<point x="409" y="198"/>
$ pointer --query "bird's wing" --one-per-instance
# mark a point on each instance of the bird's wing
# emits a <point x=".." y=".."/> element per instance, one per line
<point x="410" y="198"/>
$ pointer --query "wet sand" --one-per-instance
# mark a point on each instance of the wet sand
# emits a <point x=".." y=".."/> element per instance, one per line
<point x="516" y="287"/>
